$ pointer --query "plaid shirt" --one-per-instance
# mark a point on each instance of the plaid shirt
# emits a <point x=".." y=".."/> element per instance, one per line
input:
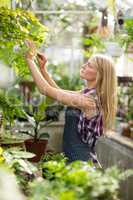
<point x="92" y="128"/>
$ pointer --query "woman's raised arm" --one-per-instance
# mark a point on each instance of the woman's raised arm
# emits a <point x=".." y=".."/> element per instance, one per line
<point x="42" y="60"/>
<point x="72" y="99"/>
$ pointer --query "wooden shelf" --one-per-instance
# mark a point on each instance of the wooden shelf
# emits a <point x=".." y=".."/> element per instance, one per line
<point x="125" y="79"/>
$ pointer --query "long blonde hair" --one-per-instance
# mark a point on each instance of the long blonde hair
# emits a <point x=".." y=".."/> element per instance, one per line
<point x="106" y="88"/>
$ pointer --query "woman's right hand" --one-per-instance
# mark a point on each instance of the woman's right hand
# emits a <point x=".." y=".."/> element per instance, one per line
<point x="31" y="52"/>
<point x="42" y="60"/>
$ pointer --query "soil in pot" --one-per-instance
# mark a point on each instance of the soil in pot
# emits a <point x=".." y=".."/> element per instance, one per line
<point x="38" y="148"/>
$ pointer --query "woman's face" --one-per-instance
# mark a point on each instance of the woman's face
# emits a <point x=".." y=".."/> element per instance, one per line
<point x="88" y="71"/>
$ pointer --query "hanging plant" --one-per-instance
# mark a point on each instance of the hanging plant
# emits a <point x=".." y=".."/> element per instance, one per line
<point x="103" y="29"/>
<point x="92" y="44"/>
<point x="126" y="39"/>
<point x="16" y="26"/>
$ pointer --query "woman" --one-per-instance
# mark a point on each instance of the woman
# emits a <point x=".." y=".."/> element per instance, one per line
<point x="90" y="112"/>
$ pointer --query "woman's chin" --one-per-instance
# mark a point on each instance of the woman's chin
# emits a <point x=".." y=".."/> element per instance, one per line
<point x="81" y="76"/>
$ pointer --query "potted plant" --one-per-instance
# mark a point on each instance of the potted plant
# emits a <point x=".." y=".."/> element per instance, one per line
<point x="10" y="109"/>
<point x="125" y="108"/>
<point x="38" y="140"/>
<point x="129" y="114"/>
<point x="37" y="143"/>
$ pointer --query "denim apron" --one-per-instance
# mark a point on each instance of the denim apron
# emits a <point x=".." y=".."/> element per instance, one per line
<point x="73" y="147"/>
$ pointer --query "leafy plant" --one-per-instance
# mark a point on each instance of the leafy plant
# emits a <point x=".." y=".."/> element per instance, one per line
<point x="10" y="106"/>
<point x="59" y="157"/>
<point x="62" y="77"/>
<point x="17" y="26"/>
<point x="34" y="118"/>
<point x="129" y="114"/>
<point x="92" y="43"/>
<point x="126" y="38"/>
<point x="125" y="102"/>
<point x="78" y="180"/>
<point x="15" y="160"/>
<point x="73" y="83"/>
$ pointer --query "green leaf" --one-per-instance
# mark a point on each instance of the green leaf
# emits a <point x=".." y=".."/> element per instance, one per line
<point x="17" y="26"/>
<point x="20" y="154"/>
<point x="44" y="136"/>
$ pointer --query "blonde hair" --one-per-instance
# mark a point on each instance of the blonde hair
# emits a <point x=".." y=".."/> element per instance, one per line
<point x="106" y="88"/>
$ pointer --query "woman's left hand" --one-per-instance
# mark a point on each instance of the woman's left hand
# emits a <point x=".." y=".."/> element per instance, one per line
<point x="31" y="53"/>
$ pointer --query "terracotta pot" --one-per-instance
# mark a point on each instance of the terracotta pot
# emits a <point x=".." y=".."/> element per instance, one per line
<point x="131" y="132"/>
<point x="38" y="148"/>
<point x="126" y="131"/>
<point x="130" y="123"/>
<point x="131" y="128"/>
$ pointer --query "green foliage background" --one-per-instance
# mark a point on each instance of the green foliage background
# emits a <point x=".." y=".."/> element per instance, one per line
<point x="16" y="26"/>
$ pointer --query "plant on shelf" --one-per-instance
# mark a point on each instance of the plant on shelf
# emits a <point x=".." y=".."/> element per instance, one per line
<point x="129" y="93"/>
<point x="125" y="108"/>
<point x="17" y="26"/>
<point x="12" y="108"/>
<point x="38" y="140"/>
<point x="125" y="102"/>
<point x="129" y="113"/>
